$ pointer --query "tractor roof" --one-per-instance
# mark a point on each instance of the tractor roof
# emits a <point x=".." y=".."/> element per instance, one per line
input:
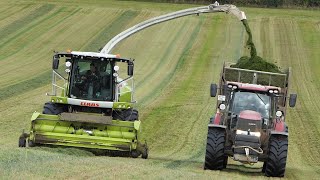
<point x="253" y="87"/>
<point x="248" y="114"/>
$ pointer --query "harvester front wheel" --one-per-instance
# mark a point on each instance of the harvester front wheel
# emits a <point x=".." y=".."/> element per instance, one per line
<point x="52" y="108"/>
<point x="135" y="154"/>
<point x="31" y="143"/>
<point x="126" y="115"/>
<point x="22" y="141"/>
<point x="215" y="158"/>
<point x="145" y="153"/>
<point x="275" y="165"/>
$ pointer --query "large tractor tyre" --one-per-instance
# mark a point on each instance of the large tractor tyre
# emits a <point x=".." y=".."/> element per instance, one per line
<point x="52" y="108"/>
<point x="275" y="165"/>
<point x="215" y="158"/>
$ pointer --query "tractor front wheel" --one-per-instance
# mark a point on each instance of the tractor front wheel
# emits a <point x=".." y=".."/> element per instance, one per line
<point x="275" y="165"/>
<point x="215" y="158"/>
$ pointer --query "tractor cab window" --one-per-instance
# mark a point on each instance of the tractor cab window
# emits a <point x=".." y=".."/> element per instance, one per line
<point x="251" y="101"/>
<point x="91" y="80"/>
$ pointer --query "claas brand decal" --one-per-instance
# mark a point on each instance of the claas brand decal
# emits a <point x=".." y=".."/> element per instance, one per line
<point x="89" y="104"/>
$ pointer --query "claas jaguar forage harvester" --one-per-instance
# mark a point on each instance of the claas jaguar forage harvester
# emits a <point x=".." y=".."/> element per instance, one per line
<point x="90" y="106"/>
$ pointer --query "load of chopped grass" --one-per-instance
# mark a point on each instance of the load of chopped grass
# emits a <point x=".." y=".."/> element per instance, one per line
<point x="254" y="62"/>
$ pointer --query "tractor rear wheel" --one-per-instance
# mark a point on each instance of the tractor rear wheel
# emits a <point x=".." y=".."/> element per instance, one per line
<point x="275" y="165"/>
<point x="215" y="158"/>
<point x="52" y="108"/>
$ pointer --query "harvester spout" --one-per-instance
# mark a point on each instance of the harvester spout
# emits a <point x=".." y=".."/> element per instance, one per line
<point x="228" y="8"/>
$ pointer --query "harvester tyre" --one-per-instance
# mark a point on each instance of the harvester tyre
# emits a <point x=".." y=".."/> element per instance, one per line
<point x="22" y="141"/>
<point x="31" y="143"/>
<point x="135" y="154"/>
<point x="215" y="158"/>
<point x="131" y="115"/>
<point x="145" y="153"/>
<point x="275" y="165"/>
<point x="126" y="115"/>
<point x="51" y="108"/>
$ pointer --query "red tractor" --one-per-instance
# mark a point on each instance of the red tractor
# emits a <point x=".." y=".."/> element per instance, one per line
<point x="249" y="125"/>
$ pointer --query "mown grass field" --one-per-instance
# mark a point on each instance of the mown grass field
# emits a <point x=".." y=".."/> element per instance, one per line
<point x="175" y="64"/>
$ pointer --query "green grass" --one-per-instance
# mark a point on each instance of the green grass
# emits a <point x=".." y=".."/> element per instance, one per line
<point x="175" y="63"/>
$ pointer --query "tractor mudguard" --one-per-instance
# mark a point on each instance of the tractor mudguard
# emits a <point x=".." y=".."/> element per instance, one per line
<point x="216" y="126"/>
<point x="215" y="122"/>
<point x="216" y="119"/>
<point x="280" y="128"/>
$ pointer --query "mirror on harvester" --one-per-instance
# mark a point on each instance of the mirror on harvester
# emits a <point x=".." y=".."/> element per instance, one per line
<point x="213" y="90"/>
<point x="130" y="69"/>
<point x="292" y="100"/>
<point x="55" y="62"/>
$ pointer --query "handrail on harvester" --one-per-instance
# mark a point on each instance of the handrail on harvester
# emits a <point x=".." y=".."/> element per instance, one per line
<point x="228" y="8"/>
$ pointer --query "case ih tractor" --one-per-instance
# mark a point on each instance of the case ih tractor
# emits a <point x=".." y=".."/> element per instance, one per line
<point x="90" y="107"/>
<point x="249" y="125"/>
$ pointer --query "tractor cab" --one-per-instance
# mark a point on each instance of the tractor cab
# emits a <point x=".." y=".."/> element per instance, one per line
<point x="250" y="106"/>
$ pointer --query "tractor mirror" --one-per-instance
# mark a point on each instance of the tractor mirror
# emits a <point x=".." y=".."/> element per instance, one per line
<point x="130" y="69"/>
<point x="292" y="100"/>
<point x="55" y="62"/>
<point x="213" y="90"/>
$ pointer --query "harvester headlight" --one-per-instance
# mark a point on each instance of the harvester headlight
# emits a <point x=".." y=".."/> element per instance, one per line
<point x="230" y="86"/>
<point x="222" y="106"/>
<point x="68" y="63"/>
<point x="276" y="91"/>
<point x="234" y="87"/>
<point x="67" y="70"/>
<point x="271" y="91"/>
<point x="116" y="68"/>
<point x="278" y="113"/>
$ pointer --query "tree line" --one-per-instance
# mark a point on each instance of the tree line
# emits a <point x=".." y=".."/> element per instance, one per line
<point x="257" y="3"/>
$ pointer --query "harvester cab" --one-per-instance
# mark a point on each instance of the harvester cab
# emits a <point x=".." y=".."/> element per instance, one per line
<point x="91" y="106"/>
<point x="249" y="125"/>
